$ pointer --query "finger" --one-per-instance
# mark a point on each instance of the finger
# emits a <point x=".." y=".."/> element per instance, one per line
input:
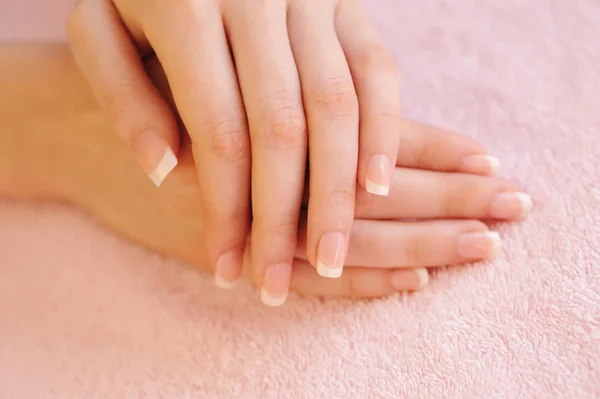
<point x="377" y="86"/>
<point x="438" y="195"/>
<point x="112" y="66"/>
<point x="357" y="282"/>
<point x="273" y="101"/>
<point x="332" y="113"/>
<point x="190" y="40"/>
<point x="419" y="244"/>
<point x="433" y="148"/>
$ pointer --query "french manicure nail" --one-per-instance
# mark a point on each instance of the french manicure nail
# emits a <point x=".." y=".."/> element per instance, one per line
<point x="479" y="245"/>
<point x="379" y="175"/>
<point x="155" y="156"/>
<point x="228" y="269"/>
<point x="276" y="283"/>
<point x="511" y="206"/>
<point x="330" y="255"/>
<point x="483" y="164"/>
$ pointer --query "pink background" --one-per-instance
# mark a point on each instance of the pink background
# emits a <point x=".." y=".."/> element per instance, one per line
<point x="85" y="315"/>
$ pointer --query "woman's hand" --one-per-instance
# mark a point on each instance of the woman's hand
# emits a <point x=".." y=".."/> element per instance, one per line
<point x="66" y="152"/>
<point x="388" y="249"/>
<point x="255" y="82"/>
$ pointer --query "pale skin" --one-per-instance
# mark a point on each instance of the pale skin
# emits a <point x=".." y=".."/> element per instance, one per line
<point x="55" y="143"/>
<point x="259" y="86"/>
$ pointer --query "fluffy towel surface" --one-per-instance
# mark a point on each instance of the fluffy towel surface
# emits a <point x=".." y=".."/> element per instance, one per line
<point x="85" y="315"/>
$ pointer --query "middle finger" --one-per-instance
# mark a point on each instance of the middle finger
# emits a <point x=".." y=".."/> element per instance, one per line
<point x="332" y="113"/>
<point x="273" y="101"/>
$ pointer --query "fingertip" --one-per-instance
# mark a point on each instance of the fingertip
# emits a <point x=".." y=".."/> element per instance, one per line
<point x="379" y="175"/>
<point x="423" y="276"/>
<point x="272" y="300"/>
<point x="409" y="279"/>
<point x="481" y="164"/>
<point x="229" y="269"/>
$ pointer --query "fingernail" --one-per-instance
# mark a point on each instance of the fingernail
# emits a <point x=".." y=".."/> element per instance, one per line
<point x="330" y="255"/>
<point x="479" y="245"/>
<point x="482" y="164"/>
<point x="227" y="273"/>
<point x="423" y="277"/>
<point x="379" y="175"/>
<point x="511" y="206"/>
<point x="276" y="284"/>
<point x="155" y="156"/>
<point x="403" y="280"/>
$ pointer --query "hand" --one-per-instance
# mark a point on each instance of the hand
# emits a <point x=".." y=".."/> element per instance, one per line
<point x="48" y="156"/>
<point x="386" y="254"/>
<point x="298" y="75"/>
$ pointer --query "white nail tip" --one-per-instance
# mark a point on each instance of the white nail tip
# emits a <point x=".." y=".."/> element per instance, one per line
<point x="377" y="189"/>
<point x="496" y="241"/>
<point x="526" y="202"/>
<point x="494" y="164"/>
<point x="224" y="284"/>
<point x="164" y="167"/>
<point x="423" y="277"/>
<point x="328" y="272"/>
<point x="271" y="300"/>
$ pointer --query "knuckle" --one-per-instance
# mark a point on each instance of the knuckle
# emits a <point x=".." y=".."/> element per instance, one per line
<point x="353" y="286"/>
<point x="285" y="126"/>
<point x="342" y="193"/>
<point x="122" y="103"/>
<point x="281" y="226"/>
<point x="228" y="136"/>
<point x="228" y="222"/>
<point x="387" y="122"/>
<point x="415" y="251"/>
<point x="336" y="98"/>
<point x="455" y="200"/>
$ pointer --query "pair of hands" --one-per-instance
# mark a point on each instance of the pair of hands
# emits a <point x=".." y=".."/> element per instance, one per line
<point x="259" y="84"/>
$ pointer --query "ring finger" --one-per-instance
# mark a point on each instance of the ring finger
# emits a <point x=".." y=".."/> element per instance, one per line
<point x="273" y="100"/>
<point x="331" y="106"/>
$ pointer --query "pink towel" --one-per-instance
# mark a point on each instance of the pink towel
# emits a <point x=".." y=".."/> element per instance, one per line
<point x="85" y="315"/>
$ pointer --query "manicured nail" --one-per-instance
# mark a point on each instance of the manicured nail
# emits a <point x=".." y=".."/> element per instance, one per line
<point x="403" y="280"/>
<point x="423" y="277"/>
<point x="227" y="273"/>
<point x="511" y="206"/>
<point x="276" y="284"/>
<point x="481" y="164"/>
<point x="379" y="175"/>
<point x="479" y="245"/>
<point x="330" y="255"/>
<point x="155" y="156"/>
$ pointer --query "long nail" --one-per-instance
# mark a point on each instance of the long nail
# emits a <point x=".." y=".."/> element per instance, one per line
<point x="155" y="156"/>
<point x="511" y="206"/>
<point x="330" y="255"/>
<point x="228" y="269"/>
<point x="481" y="164"/>
<point x="479" y="245"/>
<point x="276" y="283"/>
<point x="379" y="175"/>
